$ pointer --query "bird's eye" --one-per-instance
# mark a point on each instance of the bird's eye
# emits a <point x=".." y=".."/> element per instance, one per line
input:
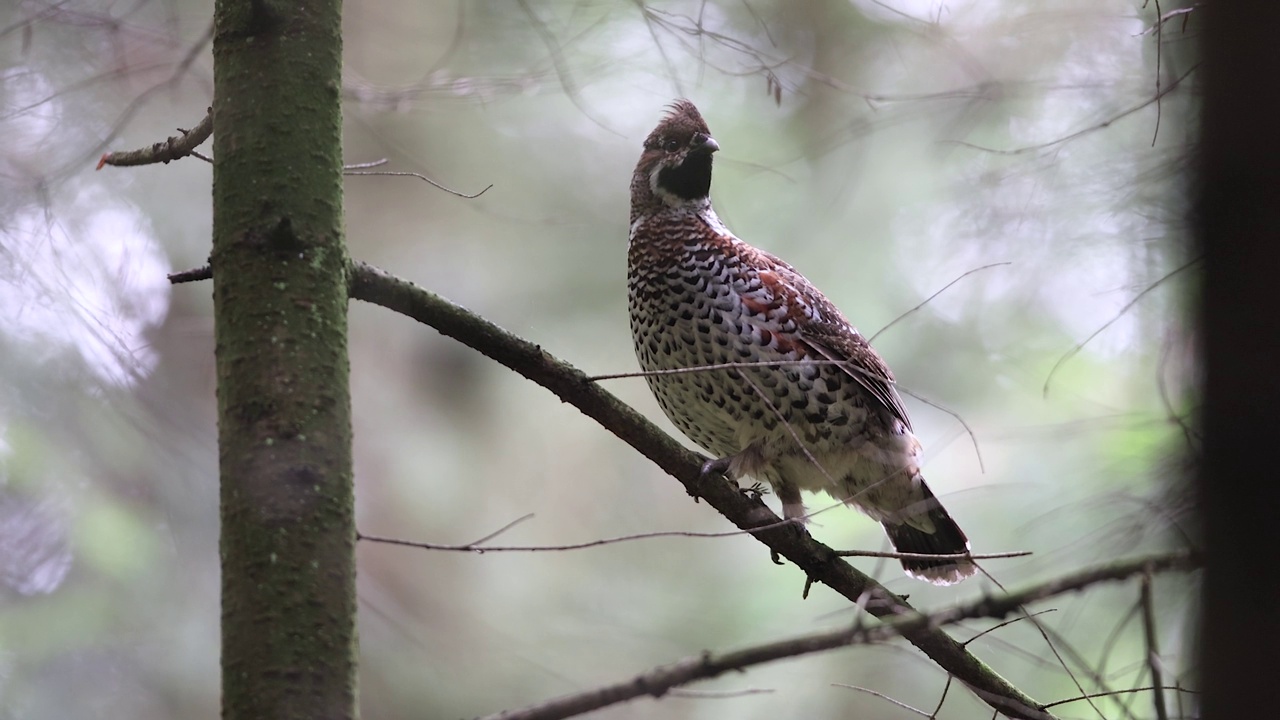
<point x="671" y="145"/>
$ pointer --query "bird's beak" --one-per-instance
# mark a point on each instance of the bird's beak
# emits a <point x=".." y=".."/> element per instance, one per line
<point x="704" y="144"/>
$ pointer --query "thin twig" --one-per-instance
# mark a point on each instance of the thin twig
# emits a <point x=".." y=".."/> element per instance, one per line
<point x="884" y="697"/>
<point x="1159" y="63"/>
<point x="717" y="367"/>
<point x="942" y="699"/>
<point x="796" y="436"/>
<point x="1128" y="306"/>
<point x="1113" y="639"/>
<point x="1109" y="693"/>
<point x="556" y="54"/>
<point x="422" y="177"/>
<point x="719" y="695"/>
<point x="365" y="165"/>
<point x="482" y="549"/>
<point x="1082" y="663"/>
<point x="1162" y="387"/>
<point x="1153" y="648"/>
<point x="1169" y="16"/>
<point x="1044" y="633"/>
<point x="933" y="556"/>
<point x="503" y="529"/>
<point x="929" y="299"/>
<point x="1010" y="621"/>
<point x="973" y="437"/>
<point x="1079" y="133"/>
<point x="479" y="549"/>
<point x="844" y="364"/>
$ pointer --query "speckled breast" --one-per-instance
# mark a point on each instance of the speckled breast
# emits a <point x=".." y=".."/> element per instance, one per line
<point x="687" y="311"/>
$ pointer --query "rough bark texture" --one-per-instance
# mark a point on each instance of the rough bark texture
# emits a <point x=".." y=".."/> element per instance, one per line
<point x="1238" y="228"/>
<point x="284" y="420"/>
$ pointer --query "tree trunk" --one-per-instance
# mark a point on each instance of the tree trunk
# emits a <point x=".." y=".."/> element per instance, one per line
<point x="1238" y="227"/>
<point x="284" y="410"/>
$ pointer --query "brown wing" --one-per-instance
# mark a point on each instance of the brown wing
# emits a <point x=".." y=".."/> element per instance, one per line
<point x="825" y="331"/>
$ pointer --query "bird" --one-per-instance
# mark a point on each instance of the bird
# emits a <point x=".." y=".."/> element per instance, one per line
<point x="806" y="403"/>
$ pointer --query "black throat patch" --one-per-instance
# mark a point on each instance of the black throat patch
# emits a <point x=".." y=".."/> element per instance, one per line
<point x="691" y="180"/>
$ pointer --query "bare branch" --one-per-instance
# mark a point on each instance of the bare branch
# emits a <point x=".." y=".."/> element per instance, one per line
<point x="175" y="148"/>
<point x="193" y="275"/>
<point x="902" y="620"/>
<point x="180" y="70"/>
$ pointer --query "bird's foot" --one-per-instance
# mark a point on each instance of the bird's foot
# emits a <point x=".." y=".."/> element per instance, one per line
<point x="718" y="466"/>
<point x="710" y="469"/>
<point x="755" y="492"/>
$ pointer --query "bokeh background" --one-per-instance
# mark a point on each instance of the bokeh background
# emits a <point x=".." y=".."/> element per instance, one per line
<point x="883" y="148"/>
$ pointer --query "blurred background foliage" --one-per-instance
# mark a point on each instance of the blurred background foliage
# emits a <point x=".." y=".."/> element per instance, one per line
<point x="883" y="148"/>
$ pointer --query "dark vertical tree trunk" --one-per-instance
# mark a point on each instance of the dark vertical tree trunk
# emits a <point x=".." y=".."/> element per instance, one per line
<point x="1237" y="224"/>
<point x="284" y="420"/>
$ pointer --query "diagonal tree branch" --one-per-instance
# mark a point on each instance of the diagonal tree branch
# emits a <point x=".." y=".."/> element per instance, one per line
<point x="659" y="680"/>
<point x="571" y="385"/>
<point x="822" y="564"/>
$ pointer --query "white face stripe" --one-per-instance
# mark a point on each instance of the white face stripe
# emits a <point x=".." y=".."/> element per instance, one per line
<point x="659" y="192"/>
<point x="701" y="206"/>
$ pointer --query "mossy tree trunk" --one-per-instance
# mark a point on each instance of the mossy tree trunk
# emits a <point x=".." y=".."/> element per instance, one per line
<point x="284" y="411"/>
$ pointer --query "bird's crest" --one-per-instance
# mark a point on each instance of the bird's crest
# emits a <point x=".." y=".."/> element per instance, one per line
<point x="682" y="121"/>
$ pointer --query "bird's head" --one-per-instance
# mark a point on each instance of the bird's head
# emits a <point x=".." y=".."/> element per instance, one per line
<point x="675" y="167"/>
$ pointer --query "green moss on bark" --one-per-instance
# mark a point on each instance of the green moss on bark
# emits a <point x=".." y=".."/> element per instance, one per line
<point x="284" y="421"/>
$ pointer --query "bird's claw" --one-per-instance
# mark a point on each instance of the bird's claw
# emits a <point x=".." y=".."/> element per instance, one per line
<point x="718" y="466"/>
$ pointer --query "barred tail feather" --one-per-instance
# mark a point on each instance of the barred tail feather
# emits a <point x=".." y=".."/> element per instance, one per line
<point x="946" y="539"/>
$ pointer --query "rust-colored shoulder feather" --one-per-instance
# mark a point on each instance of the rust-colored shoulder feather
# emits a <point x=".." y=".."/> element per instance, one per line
<point x="826" y="331"/>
